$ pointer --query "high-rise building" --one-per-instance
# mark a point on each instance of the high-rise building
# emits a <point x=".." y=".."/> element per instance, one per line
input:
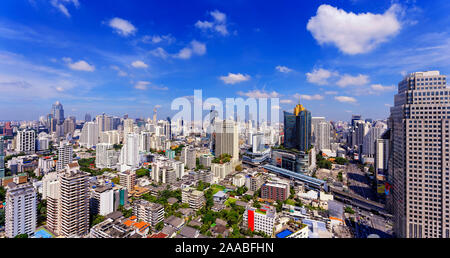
<point x="322" y="136"/>
<point x="69" y="125"/>
<point x="74" y="202"/>
<point x="297" y="129"/>
<point x="106" y="156"/>
<point x="227" y="139"/>
<point x="65" y="155"/>
<point x="58" y="112"/>
<point x="26" y="141"/>
<point x="104" y="123"/>
<point x="20" y="210"/>
<point x="419" y="168"/>
<point x="2" y="157"/>
<point x="370" y="138"/>
<point x="129" y="155"/>
<point x="89" y="135"/>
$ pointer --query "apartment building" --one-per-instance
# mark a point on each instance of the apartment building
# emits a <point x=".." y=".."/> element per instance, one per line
<point x="149" y="212"/>
<point x="20" y="210"/>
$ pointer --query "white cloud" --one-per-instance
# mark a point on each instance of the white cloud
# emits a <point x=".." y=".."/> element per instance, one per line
<point x="61" y="5"/>
<point x="353" y="33"/>
<point x="319" y="76"/>
<point x="158" y="39"/>
<point x="387" y="105"/>
<point x="195" y="48"/>
<point x="139" y="64"/>
<point x="345" y="99"/>
<point x="204" y="24"/>
<point x="159" y="52"/>
<point x="119" y="71"/>
<point x="331" y="92"/>
<point x="122" y="27"/>
<point x="286" y="101"/>
<point x="348" y="80"/>
<point x="259" y="94"/>
<point x="219" y="16"/>
<point x="144" y="85"/>
<point x="283" y="69"/>
<point x="218" y="24"/>
<point x="276" y="107"/>
<point x="308" y="97"/>
<point x="233" y="78"/>
<point x="379" y="87"/>
<point x="141" y="85"/>
<point x="79" y="66"/>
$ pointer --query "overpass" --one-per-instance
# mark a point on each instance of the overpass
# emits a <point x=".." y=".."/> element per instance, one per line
<point x="358" y="201"/>
<point x="312" y="182"/>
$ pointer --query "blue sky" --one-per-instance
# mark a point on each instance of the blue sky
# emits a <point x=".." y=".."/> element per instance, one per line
<point x="340" y="57"/>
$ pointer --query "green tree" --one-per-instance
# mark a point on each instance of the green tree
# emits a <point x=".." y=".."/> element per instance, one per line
<point x="2" y="217"/>
<point x="21" y="236"/>
<point x="159" y="226"/>
<point x="96" y="219"/>
<point x="341" y="161"/>
<point x="2" y="194"/>
<point x="324" y="164"/>
<point x="238" y="168"/>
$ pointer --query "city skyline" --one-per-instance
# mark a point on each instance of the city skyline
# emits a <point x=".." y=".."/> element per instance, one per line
<point x="129" y="58"/>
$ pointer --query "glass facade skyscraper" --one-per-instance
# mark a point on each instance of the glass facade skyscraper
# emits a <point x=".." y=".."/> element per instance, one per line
<point x="297" y="129"/>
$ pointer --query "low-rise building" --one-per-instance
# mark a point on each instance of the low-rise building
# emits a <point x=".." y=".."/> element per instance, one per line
<point x="260" y="219"/>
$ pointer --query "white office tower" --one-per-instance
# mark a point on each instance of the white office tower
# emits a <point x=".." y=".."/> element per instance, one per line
<point x="89" y="135"/>
<point x="361" y="130"/>
<point x="129" y="155"/>
<point x="419" y="166"/>
<point x="258" y="143"/>
<point x="48" y="184"/>
<point x="152" y="213"/>
<point x="74" y="202"/>
<point x="104" y="123"/>
<point x="381" y="155"/>
<point x="102" y="200"/>
<point x="322" y="136"/>
<point x="26" y="141"/>
<point x="369" y="140"/>
<point x="227" y="139"/>
<point x="128" y="126"/>
<point x="20" y="210"/>
<point x="43" y="141"/>
<point x="110" y="137"/>
<point x="183" y="154"/>
<point x="106" y="156"/>
<point x="145" y="138"/>
<point x="65" y="155"/>
<point x="127" y="179"/>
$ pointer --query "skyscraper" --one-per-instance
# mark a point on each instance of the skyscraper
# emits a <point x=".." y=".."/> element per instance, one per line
<point x="322" y="135"/>
<point x="65" y="152"/>
<point x="2" y="158"/>
<point x="74" y="194"/>
<point x="129" y="154"/>
<point x="20" y="210"/>
<point x="227" y="139"/>
<point x="419" y="157"/>
<point x="58" y="112"/>
<point x="89" y="135"/>
<point x="297" y="129"/>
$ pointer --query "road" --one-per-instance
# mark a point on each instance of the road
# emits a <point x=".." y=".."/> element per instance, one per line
<point x="359" y="184"/>
<point x="367" y="224"/>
